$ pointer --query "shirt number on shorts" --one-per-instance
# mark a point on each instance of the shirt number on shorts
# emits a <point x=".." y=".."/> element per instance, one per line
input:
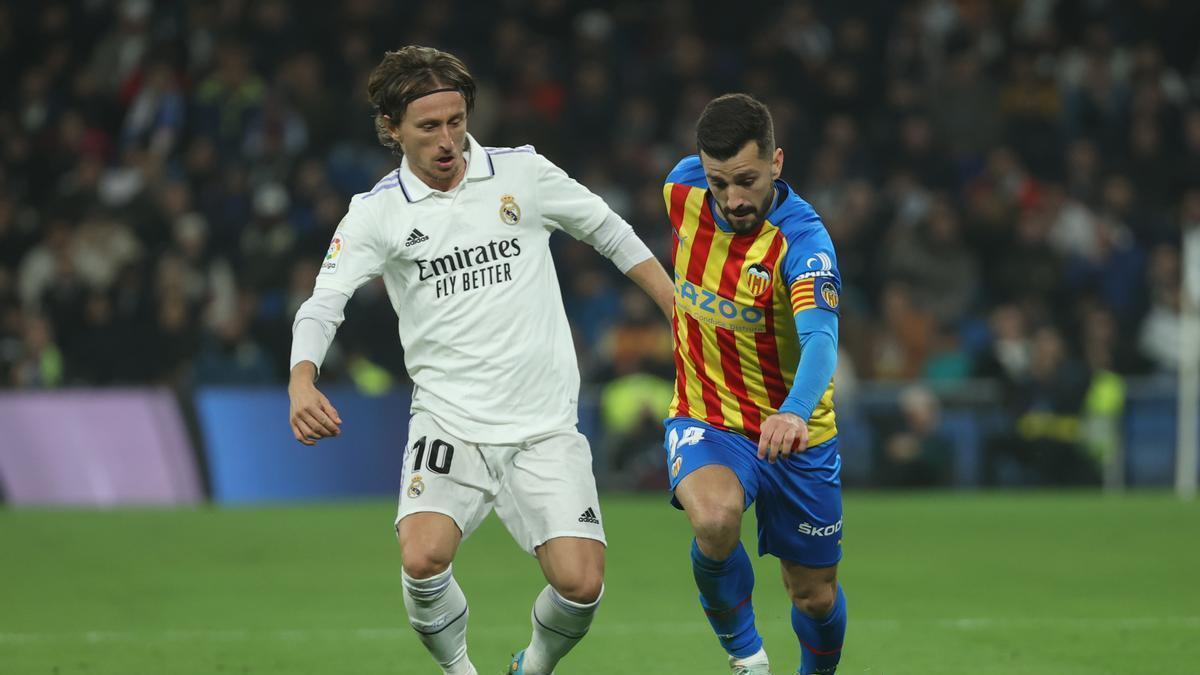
<point x="441" y="454"/>
<point x="691" y="436"/>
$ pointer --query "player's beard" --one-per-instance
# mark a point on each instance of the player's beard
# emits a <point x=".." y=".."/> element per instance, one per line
<point x="746" y="227"/>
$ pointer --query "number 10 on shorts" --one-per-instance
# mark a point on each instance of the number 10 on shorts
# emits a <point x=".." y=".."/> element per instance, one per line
<point x="438" y="460"/>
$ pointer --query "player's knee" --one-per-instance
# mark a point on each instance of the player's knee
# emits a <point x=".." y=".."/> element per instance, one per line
<point x="583" y="588"/>
<point x="717" y="529"/>
<point x="424" y="564"/>
<point x="815" y="600"/>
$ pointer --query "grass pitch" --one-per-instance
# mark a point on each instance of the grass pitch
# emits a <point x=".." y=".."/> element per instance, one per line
<point x="1061" y="584"/>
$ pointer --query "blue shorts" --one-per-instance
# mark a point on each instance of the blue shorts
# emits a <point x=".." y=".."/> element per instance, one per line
<point x="798" y="501"/>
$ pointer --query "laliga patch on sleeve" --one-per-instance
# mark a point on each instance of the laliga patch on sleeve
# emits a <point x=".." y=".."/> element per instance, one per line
<point x="336" y="248"/>
<point x="827" y="296"/>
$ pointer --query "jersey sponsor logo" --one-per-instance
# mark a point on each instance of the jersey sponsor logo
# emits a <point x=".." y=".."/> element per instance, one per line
<point x="510" y="211"/>
<point x="829" y="293"/>
<point x="470" y="268"/>
<point x="827" y="274"/>
<point x="415" y="237"/>
<point x="332" y="256"/>
<point x="815" y="531"/>
<point x="758" y="279"/>
<point x="821" y="261"/>
<point x="465" y="258"/>
<point x="589" y="516"/>
<point x="711" y="309"/>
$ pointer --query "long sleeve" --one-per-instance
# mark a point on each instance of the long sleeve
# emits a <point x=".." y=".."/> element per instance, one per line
<point x="617" y="241"/>
<point x="571" y="207"/>
<point x="316" y="323"/>
<point x="818" y="360"/>
<point x="815" y="285"/>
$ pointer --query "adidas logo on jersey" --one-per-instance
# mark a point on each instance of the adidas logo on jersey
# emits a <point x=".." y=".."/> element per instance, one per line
<point x="415" y="237"/>
<point x="589" y="516"/>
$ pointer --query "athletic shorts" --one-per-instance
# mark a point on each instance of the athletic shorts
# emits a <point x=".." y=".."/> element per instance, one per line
<point x="798" y="501"/>
<point x="540" y="489"/>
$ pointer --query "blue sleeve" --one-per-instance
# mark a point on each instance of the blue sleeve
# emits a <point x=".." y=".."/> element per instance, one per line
<point x="688" y="171"/>
<point x="810" y="255"/>
<point x="810" y="251"/>
<point x="818" y="358"/>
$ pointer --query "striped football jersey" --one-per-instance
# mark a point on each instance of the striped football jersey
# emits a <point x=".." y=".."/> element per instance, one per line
<point x="737" y="297"/>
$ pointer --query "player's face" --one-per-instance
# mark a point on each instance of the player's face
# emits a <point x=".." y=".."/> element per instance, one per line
<point x="433" y="135"/>
<point x="744" y="185"/>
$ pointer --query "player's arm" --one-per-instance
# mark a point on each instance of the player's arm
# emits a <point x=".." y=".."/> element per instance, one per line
<point x="354" y="257"/>
<point x="814" y="284"/>
<point x="650" y="275"/>
<point x="616" y="240"/>
<point x="572" y="207"/>
<point x="787" y="431"/>
<point x="312" y="416"/>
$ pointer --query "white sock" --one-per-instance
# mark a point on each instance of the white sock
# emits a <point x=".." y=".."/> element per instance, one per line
<point x="757" y="658"/>
<point x="437" y="610"/>
<point x="558" y="625"/>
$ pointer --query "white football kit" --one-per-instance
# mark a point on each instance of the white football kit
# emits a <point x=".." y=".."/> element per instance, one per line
<point x="487" y="343"/>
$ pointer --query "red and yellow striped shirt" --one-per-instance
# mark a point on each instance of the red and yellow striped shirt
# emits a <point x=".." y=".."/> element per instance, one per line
<point x="736" y="346"/>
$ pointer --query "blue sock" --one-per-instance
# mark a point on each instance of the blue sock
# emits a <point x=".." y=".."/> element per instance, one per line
<point x="821" y="641"/>
<point x="725" y="588"/>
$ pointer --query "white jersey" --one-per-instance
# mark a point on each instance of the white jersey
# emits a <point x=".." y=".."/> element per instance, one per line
<point x="470" y="276"/>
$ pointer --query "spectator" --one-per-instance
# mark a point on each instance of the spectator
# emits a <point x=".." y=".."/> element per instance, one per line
<point x="1045" y="446"/>
<point x="912" y="450"/>
<point x="1161" y="333"/>
<point x="39" y="363"/>
<point x="932" y="259"/>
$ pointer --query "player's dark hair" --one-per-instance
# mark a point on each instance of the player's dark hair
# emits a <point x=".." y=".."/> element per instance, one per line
<point x="409" y="73"/>
<point x="731" y="121"/>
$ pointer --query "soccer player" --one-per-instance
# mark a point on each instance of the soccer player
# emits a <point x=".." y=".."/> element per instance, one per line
<point x="755" y="321"/>
<point x="460" y="233"/>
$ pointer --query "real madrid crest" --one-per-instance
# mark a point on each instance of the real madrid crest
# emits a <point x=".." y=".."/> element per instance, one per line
<point x="510" y="211"/>
<point x="758" y="279"/>
<point x="416" y="487"/>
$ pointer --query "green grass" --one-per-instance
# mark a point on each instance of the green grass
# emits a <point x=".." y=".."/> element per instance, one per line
<point x="937" y="583"/>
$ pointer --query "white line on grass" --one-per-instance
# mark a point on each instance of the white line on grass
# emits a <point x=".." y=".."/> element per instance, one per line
<point x="621" y="629"/>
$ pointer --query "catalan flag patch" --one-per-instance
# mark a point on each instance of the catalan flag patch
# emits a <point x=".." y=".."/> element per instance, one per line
<point x="802" y="296"/>
<point x="813" y="293"/>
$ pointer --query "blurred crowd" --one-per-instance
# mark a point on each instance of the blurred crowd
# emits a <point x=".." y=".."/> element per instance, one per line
<point x="1005" y="182"/>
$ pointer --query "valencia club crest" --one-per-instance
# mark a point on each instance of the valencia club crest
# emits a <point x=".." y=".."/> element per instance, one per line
<point x="757" y="279"/>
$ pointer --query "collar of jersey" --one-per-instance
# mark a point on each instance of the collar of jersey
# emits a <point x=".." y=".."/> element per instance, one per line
<point x="479" y="167"/>
<point x="782" y="192"/>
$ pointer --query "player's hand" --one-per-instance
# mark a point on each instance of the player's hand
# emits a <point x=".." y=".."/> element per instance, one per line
<point x="782" y="435"/>
<point x="312" y="416"/>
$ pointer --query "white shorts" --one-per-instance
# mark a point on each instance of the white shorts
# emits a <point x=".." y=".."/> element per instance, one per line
<point x="540" y="489"/>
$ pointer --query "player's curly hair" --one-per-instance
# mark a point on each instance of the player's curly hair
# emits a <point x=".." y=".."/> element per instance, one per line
<point x="732" y="120"/>
<point x="407" y="74"/>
